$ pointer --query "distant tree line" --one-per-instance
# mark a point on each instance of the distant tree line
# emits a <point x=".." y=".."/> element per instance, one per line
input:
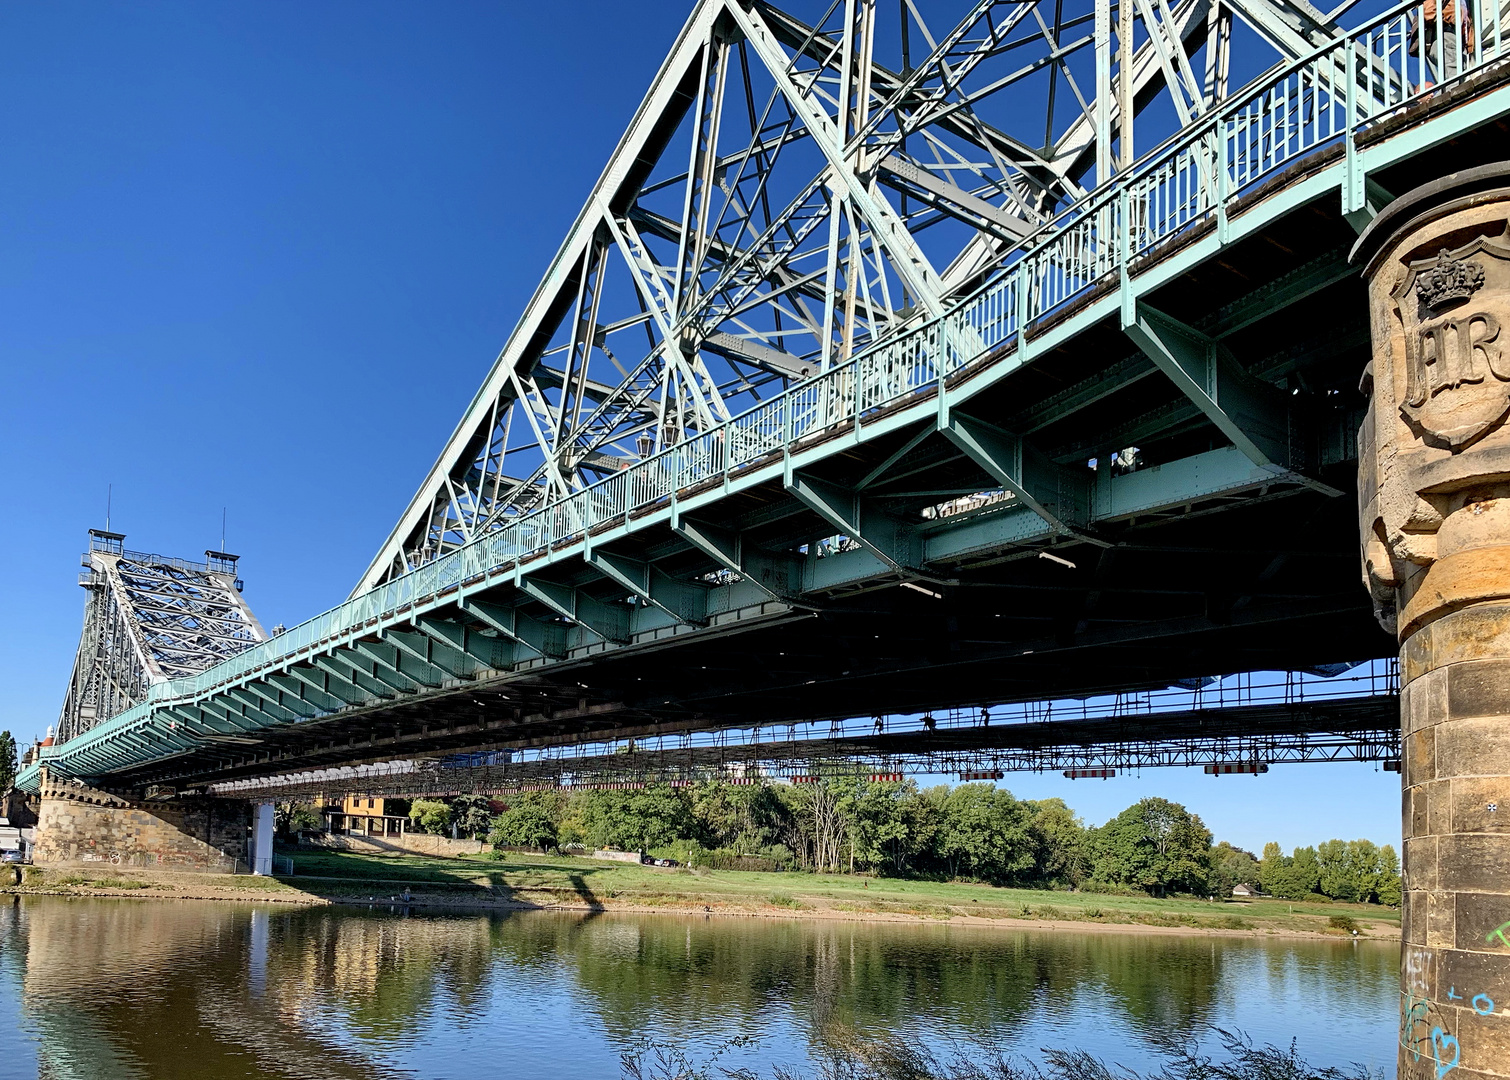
<point x="1353" y="870"/>
<point x="974" y="831"/>
<point x="977" y="832"/>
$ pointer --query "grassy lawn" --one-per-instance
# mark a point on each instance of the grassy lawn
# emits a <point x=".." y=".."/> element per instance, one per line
<point x="541" y="879"/>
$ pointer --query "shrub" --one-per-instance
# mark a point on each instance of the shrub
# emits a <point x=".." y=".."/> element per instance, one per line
<point x="1342" y="922"/>
<point x="1106" y="888"/>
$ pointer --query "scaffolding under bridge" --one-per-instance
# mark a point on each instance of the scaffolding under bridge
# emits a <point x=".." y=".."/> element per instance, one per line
<point x="1233" y="739"/>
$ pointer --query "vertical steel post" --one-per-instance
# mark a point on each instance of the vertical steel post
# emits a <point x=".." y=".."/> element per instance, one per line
<point x="1103" y="91"/>
<point x="262" y="840"/>
<point x="1125" y="82"/>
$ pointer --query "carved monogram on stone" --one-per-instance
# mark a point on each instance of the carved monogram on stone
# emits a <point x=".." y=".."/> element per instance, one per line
<point x="1457" y="361"/>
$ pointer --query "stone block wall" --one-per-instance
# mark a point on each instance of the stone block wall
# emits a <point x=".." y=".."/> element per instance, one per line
<point x="84" y="826"/>
<point x="407" y="844"/>
<point x="1455" y="925"/>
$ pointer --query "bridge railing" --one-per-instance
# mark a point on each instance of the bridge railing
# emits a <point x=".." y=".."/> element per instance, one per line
<point x="1327" y="96"/>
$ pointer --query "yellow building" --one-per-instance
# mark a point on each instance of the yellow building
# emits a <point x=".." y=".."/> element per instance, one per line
<point x="367" y="815"/>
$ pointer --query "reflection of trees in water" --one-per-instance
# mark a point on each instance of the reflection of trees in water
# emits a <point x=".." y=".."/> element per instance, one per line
<point x="383" y="975"/>
<point x="127" y="988"/>
<point x="982" y="983"/>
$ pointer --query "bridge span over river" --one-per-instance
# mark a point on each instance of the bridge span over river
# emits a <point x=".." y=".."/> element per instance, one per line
<point x="911" y="361"/>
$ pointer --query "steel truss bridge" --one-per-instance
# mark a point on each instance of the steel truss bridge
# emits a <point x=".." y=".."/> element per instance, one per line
<point x="899" y="360"/>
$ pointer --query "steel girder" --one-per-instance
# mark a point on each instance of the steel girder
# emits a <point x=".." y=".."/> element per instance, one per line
<point x="793" y="190"/>
<point x="149" y="619"/>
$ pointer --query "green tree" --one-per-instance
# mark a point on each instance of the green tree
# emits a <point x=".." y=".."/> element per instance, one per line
<point x="430" y="815"/>
<point x="987" y="834"/>
<point x="1060" y="839"/>
<point x="882" y="833"/>
<point x="1388" y="890"/>
<point x="294" y="817"/>
<point x="1156" y="845"/>
<point x="636" y="820"/>
<point x="1272" y="868"/>
<point x="7" y="761"/>
<point x="742" y="817"/>
<point x="1231" y="867"/>
<point x="529" y="821"/>
<point x="472" y="814"/>
<point x="1290" y="877"/>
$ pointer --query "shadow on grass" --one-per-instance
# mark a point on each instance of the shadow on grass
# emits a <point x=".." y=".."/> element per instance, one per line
<point x="380" y="878"/>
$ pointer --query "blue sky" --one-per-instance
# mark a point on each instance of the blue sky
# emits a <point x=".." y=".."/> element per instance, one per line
<point x="259" y="257"/>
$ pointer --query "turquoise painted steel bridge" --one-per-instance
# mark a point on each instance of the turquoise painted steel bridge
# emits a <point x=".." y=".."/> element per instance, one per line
<point x="1105" y="441"/>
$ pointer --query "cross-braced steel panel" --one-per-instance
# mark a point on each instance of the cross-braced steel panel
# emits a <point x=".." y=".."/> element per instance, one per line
<point x="799" y="186"/>
<point x="148" y="619"/>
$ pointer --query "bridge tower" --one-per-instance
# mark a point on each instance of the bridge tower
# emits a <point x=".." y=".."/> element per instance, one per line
<point x="1434" y="496"/>
<point x="148" y="620"/>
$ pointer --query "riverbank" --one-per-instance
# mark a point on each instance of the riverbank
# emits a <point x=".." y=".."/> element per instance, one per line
<point x="529" y="882"/>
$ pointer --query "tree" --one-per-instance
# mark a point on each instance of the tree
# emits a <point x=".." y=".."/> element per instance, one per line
<point x="882" y="836"/>
<point x="430" y="815"/>
<point x="1272" y="868"/>
<point x="1231" y="867"/>
<point x="1389" y="888"/>
<point x="290" y="818"/>
<point x="745" y="817"/>
<point x="1060" y="840"/>
<point x="7" y="761"/>
<point x="472" y="814"/>
<point x="1156" y="845"/>
<point x="986" y="834"/>
<point x="1290" y="877"/>
<point x="529" y="821"/>
<point x="639" y="820"/>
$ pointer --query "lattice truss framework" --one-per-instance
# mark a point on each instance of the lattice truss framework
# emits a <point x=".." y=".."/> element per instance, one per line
<point x="792" y="191"/>
<point x="148" y="619"/>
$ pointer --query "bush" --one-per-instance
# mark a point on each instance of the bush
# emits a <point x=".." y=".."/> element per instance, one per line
<point x="529" y="823"/>
<point x="1342" y="922"/>
<point x="1106" y="888"/>
<point x="727" y="859"/>
<point x="430" y="815"/>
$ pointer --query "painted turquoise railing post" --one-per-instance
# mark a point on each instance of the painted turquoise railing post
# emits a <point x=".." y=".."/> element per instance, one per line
<point x="1220" y="127"/>
<point x="1024" y="283"/>
<point x="1124" y="244"/>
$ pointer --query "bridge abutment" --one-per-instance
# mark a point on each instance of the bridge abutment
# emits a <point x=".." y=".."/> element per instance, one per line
<point x="1434" y="498"/>
<point x="79" y="825"/>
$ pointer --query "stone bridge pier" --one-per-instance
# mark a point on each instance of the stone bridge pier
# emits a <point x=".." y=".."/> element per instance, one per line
<point x="79" y="825"/>
<point x="1434" y="501"/>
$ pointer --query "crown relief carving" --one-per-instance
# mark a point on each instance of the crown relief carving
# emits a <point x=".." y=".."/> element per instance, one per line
<point x="1448" y="281"/>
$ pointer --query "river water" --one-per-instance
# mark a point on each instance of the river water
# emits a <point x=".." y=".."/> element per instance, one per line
<point x="96" y="988"/>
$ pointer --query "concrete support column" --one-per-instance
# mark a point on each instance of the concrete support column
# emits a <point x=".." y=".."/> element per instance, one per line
<point x="262" y="839"/>
<point x="1434" y="499"/>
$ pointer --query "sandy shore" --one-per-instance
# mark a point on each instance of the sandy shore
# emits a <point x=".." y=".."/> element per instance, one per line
<point x="168" y="886"/>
